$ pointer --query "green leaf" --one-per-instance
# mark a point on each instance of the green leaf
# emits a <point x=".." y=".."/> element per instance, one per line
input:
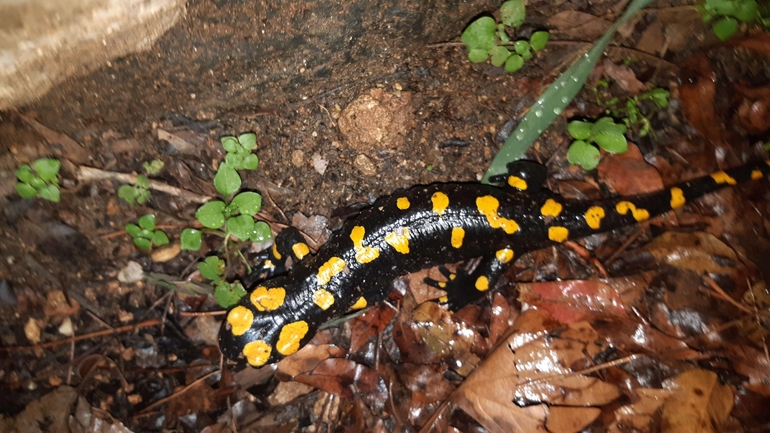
<point x="538" y="40"/>
<point x="502" y="34"/>
<point x="147" y="222"/>
<point x="250" y="162"/>
<point x="25" y="190"/>
<point x="248" y="140"/>
<point x="133" y="230"/>
<point x="478" y="56"/>
<point x="154" y="167"/>
<point x="583" y="154"/>
<point x="127" y="193"/>
<point x="212" y="269"/>
<point x="241" y="226"/>
<point x="50" y="193"/>
<point x="526" y="55"/>
<point x="513" y="12"/>
<point x="521" y="47"/>
<point x="48" y="169"/>
<point x="211" y="214"/>
<point x="230" y="144"/>
<point x="37" y="182"/>
<point x="142" y="195"/>
<point x="659" y="97"/>
<point x="261" y="232"/>
<point x="227" y="181"/>
<point x="191" y="239"/>
<point x="228" y="294"/>
<point x="725" y="27"/>
<point x="747" y="11"/>
<point x="480" y="35"/>
<point x="143" y="243"/>
<point x="555" y="99"/>
<point x="514" y="63"/>
<point x="234" y="160"/>
<point x="721" y="7"/>
<point x="611" y="141"/>
<point x="499" y="55"/>
<point x="24" y="173"/>
<point x="142" y="181"/>
<point x="159" y="238"/>
<point x="580" y="130"/>
<point x="248" y="203"/>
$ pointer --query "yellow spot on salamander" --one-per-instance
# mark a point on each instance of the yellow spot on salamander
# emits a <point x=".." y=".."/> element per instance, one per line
<point x="403" y="203"/>
<point x="240" y="319"/>
<point x="488" y="206"/>
<point x="257" y="353"/>
<point x="504" y="256"/>
<point x="332" y="267"/>
<point x="291" y="335"/>
<point x="722" y="177"/>
<point x="269" y="264"/>
<point x="265" y="299"/>
<point x="443" y="299"/>
<point x="363" y="254"/>
<point x="517" y="182"/>
<point x="756" y="174"/>
<point x="458" y="233"/>
<point x="323" y="298"/>
<point x="276" y="254"/>
<point x="440" y="202"/>
<point x="558" y="234"/>
<point x="594" y="216"/>
<point x="551" y="208"/>
<point x="360" y="304"/>
<point x="399" y="240"/>
<point x="300" y="250"/>
<point x="677" y="198"/>
<point x="441" y="284"/>
<point x="639" y="214"/>
<point x="482" y="284"/>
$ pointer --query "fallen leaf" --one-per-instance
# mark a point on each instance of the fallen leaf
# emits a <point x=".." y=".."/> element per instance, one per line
<point x="699" y="252"/>
<point x="570" y="301"/>
<point x="639" y="414"/>
<point x="578" y="26"/>
<point x="571" y="419"/>
<point x="697" y="96"/>
<point x="698" y="404"/>
<point x="628" y="173"/>
<point x="623" y="76"/>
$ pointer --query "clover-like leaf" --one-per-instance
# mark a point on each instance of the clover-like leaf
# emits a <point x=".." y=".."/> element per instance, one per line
<point x="37" y="182"/>
<point x="191" y="239"/>
<point x="24" y="173"/>
<point x="234" y="160"/>
<point x="147" y="222"/>
<point x="499" y="55"/>
<point x="478" y="56"/>
<point x="50" y="193"/>
<point x="142" y="181"/>
<point x="25" y="190"/>
<point x="127" y="193"/>
<point x="247" y="203"/>
<point x="513" y="12"/>
<point x="261" y="232"/>
<point x="241" y="226"/>
<point x="579" y="130"/>
<point x="611" y="141"/>
<point x="480" y="35"/>
<point x="526" y="55"/>
<point x="133" y="230"/>
<point x="514" y="63"/>
<point x="48" y="169"/>
<point x="142" y="195"/>
<point x="521" y="47"/>
<point x="539" y="40"/>
<point x="212" y="268"/>
<point x="251" y="162"/>
<point x="228" y="294"/>
<point x="227" y="181"/>
<point x="159" y="238"/>
<point x="248" y="140"/>
<point x="211" y="214"/>
<point x="143" y="243"/>
<point x="583" y="154"/>
<point x="504" y="38"/>
<point x="725" y="27"/>
<point x="154" y="167"/>
<point x="230" y="144"/>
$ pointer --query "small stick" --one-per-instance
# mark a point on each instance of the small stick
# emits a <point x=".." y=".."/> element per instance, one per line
<point x="86" y="174"/>
<point x="177" y="394"/>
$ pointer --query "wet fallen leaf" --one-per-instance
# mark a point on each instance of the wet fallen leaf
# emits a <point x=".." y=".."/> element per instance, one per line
<point x="307" y="358"/>
<point x="370" y="324"/>
<point x="571" y="419"/>
<point x="579" y="26"/>
<point x="628" y="173"/>
<point x="447" y="337"/>
<point x="697" y="98"/>
<point x="570" y="301"/>
<point x="639" y="414"/>
<point x="336" y="376"/>
<point x="699" y="252"/>
<point x="623" y="76"/>
<point x="699" y="403"/>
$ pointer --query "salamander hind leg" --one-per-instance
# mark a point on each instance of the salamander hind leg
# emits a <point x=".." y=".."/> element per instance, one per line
<point x="465" y="287"/>
<point x="288" y="249"/>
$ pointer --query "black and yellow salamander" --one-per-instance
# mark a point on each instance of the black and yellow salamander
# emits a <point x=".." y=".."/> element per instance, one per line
<point x="428" y="225"/>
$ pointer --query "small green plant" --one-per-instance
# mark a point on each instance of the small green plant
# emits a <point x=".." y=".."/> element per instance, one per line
<point x="236" y="212"/>
<point x="727" y="15"/>
<point x="633" y="110"/>
<point x="488" y="39"/>
<point x="153" y="168"/>
<point x="227" y="294"/>
<point x="138" y="193"/>
<point x="605" y="133"/>
<point x="42" y="182"/>
<point x="144" y="235"/>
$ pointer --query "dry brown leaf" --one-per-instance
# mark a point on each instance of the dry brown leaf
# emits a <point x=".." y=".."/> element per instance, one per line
<point x="638" y="415"/>
<point x="70" y="149"/>
<point x="697" y="252"/>
<point x="579" y="26"/>
<point x="697" y="98"/>
<point x="699" y="403"/>
<point x="623" y="76"/>
<point x="628" y="173"/>
<point x="571" y="419"/>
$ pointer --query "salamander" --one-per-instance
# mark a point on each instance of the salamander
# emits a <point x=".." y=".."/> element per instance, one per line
<point x="425" y="226"/>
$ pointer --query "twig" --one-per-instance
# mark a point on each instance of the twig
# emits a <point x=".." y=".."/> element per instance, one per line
<point x="721" y="294"/>
<point x="87" y="174"/>
<point x="177" y="394"/>
<point x="121" y="329"/>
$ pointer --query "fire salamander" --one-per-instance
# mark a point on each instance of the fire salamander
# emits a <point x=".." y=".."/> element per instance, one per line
<point x="424" y="226"/>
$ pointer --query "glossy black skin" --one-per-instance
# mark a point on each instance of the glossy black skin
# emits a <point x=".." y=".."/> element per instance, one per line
<point x="429" y="245"/>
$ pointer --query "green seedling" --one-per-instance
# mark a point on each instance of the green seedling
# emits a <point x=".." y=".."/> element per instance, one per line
<point x="605" y="133"/>
<point x="144" y="235"/>
<point x="138" y="193"/>
<point x="227" y="294"/>
<point x="726" y="15"/>
<point x="239" y="151"/>
<point x="487" y="39"/>
<point x="43" y="182"/>
<point x="632" y="112"/>
<point x="153" y="168"/>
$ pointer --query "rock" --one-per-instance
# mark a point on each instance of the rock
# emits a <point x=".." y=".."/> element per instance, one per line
<point x="377" y="120"/>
